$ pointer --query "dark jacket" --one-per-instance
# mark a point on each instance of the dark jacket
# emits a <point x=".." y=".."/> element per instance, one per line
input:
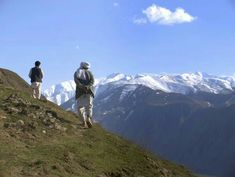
<point x="36" y="74"/>
<point x="84" y="86"/>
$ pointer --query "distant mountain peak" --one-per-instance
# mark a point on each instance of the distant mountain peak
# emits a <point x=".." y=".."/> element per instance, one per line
<point x="176" y="83"/>
<point x="113" y="75"/>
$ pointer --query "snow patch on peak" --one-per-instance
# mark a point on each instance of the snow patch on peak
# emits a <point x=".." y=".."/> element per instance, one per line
<point x="115" y="78"/>
<point x="127" y="90"/>
<point x="60" y="93"/>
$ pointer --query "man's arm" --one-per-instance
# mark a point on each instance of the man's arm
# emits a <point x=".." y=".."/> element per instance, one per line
<point x="76" y="79"/>
<point x="92" y="81"/>
<point x="30" y="73"/>
<point x="42" y="73"/>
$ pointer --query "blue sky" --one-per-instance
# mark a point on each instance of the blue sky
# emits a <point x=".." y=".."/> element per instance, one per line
<point x="62" y="33"/>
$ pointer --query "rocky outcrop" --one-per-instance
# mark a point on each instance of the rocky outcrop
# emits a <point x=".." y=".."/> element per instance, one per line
<point x="22" y="115"/>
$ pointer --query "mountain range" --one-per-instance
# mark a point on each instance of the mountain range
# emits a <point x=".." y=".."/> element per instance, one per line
<point x="179" y="83"/>
<point x="186" y="118"/>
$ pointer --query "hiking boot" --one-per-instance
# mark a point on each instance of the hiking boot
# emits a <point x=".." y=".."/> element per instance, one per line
<point x="89" y="122"/>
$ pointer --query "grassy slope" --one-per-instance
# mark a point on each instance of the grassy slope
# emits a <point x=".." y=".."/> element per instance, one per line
<point x="26" y="151"/>
<point x="11" y="79"/>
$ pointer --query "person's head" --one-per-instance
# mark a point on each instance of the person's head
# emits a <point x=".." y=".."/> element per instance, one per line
<point x="85" y="65"/>
<point x="37" y="63"/>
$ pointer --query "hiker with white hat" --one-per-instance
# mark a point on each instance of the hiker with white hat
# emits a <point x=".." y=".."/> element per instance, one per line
<point x="84" y="80"/>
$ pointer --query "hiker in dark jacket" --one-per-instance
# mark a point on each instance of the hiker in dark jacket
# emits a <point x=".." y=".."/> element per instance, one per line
<point x="36" y="76"/>
<point x="84" y="80"/>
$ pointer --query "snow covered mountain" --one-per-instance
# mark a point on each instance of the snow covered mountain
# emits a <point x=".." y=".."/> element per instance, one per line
<point x="171" y="83"/>
<point x="60" y="93"/>
<point x="168" y="115"/>
<point x="187" y="129"/>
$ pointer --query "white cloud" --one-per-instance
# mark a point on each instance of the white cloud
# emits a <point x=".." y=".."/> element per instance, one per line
<point x="140" y="21"/>
<point x="164" y="16"/>
<point x="115" y="4"/>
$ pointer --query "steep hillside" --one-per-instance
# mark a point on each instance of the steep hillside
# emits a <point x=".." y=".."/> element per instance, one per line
<point x="40" y="139"/>
<point x="209" y="141"/>
<point x="13" y="80"/>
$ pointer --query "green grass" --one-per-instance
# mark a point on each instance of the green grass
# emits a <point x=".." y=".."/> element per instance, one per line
<point x="76" y="152"/>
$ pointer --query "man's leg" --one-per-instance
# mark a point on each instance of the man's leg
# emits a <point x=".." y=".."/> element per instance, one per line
<point x="33" y="85"/>
<point x="39" y="91"/>
<point x="81" y="110"/>
<point x="82" y="115"/>
<point x="89" y="110"/>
